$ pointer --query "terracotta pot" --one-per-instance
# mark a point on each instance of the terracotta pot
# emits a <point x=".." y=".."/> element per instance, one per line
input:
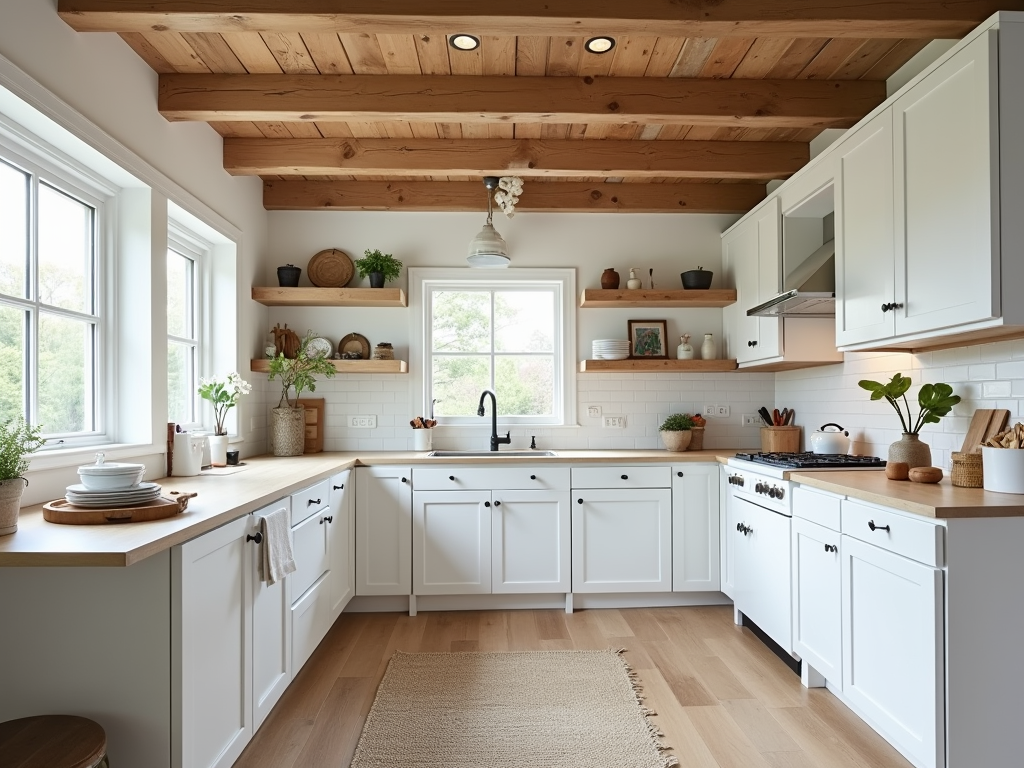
<point x="911" y="451"/>
<point x="10" y="504"/>
<point x="609" y="279"/>
<point x="288" y="431"/>
<point x="676" y="441"/>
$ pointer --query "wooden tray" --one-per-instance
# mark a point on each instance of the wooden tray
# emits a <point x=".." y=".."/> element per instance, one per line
<point x="64" y="513"/>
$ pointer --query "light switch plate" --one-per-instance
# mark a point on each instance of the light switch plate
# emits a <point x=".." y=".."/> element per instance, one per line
<point x="363" y="422"/>
<point x="722" y="411"/>
<point x="710" y="410"/>
<point x="751" y="420"/>
<point x="615" y="422"/>
<point x="594" y="411"/>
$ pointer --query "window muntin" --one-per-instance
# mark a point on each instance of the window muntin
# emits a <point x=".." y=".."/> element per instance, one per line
<point x="50" y="326"/>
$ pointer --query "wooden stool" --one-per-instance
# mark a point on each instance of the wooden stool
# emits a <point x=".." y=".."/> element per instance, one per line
<point x="52" y="741"/>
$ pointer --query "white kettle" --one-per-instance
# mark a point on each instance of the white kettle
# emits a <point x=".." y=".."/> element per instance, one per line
<point x="827" y="440"/>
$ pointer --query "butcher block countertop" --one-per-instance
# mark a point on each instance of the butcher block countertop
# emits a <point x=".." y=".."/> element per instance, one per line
<point x="223" y="498"/>
<point x="938" y="500"/>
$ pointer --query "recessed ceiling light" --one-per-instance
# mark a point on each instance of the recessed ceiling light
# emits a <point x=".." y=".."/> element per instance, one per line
<point x="464" y="42"/>
<point x="599" y="44"/>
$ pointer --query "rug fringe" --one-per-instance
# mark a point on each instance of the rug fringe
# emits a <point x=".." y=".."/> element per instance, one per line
<point x="668" y="761"/>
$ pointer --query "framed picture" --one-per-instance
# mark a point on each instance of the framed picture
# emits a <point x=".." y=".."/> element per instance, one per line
<point x="647" y="339"/>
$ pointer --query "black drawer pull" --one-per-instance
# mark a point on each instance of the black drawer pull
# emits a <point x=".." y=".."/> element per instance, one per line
<point x="487" y="503"/>
<point x="679" y="474"/>
<point x="311" y="502"/>
<point x="451" y="477"/>
<point x="831" y="548"/>
<point x="405" y="480"/>
<point x="340" y="487"/>
<point x="257" y="537"/>
<point x="497" y="503"/>
<point x="579" y="501"/>
<point x="625" y="477"/>
<point x="533" y="477"/>
<point x="873" y="527"/>
<point x="329" y="519"/>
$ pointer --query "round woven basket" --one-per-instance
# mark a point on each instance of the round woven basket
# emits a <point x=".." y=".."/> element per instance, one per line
<point x="330" y="268"/>
<point x="968" y="471"/>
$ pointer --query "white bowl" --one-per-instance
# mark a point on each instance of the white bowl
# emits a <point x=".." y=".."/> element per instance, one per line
<point x="111" y="477"/>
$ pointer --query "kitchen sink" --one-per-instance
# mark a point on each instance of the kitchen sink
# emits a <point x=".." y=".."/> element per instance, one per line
<point x="488" y="454"/>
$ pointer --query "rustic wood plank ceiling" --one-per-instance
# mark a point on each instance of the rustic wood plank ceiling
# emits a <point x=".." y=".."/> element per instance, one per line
<point x="364" y="105"/>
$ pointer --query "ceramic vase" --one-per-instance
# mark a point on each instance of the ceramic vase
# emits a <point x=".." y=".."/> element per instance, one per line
<point x="218" y="450"/>
<point x="685" y="350"/>
<point x="709" y="350"/>
<point x="911" y="451"/>
<point x="609" y="279"/>
<point x="288" y="431"/>
<point x="634" y="282"/>
<point x="676" y="441"/>
<point x="10" y="504"/>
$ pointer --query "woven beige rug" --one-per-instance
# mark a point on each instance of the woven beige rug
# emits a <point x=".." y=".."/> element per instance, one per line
<point x="548" y="709"/>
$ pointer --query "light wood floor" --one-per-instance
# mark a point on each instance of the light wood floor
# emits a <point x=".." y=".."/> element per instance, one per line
<point x="723" y="699"/>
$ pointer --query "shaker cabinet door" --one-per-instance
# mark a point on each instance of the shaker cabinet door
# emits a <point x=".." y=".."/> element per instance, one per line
<point x="383" y="531"/>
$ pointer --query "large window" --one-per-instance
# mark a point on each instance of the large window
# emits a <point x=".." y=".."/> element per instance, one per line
<point x="506" y="334"/>
<point x="185" y="292"/>
<point x="50" y="320"/>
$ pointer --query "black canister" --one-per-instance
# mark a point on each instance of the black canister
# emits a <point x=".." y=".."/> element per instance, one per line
<point x="288" y="276"/>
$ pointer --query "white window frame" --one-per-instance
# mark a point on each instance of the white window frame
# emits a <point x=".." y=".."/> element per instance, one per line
<point x="192" y="246"/>
<point x="563" y="281"/>
<point x="59" y="172"/>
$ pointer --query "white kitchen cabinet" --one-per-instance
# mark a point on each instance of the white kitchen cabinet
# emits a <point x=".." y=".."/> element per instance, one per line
<point x="383" y="531"/>
<point x="213" y="709"/>
<point x="727" y="542"/>
<point x="622" y="540"/>
<point x="893" y="656"/>
<point x="341" y="543"/>
<point x="818" y="598"/>
<point x="695" y="528"/>
<point x="530" y="542"/>
<point x="451" y="542"/>
<point x="271" y="633"/>
<point x="865" y="236"/>
<point x="309" y="586"/>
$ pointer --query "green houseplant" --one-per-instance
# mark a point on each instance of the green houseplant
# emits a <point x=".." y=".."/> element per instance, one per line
<point x="934" y="400"/>
<point x="288" y="423"/>
<point x="675" y="432"/>
<point x="379" y="267"/>
<point x="18" y="439"/>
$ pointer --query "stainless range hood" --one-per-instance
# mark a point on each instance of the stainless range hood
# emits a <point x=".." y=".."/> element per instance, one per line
<point x="810" y="289"/>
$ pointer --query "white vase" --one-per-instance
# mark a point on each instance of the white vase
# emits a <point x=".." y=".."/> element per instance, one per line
<point x="422" y="439"/>
<point x="218" y="450"/>
<point x="634" y="282"/>
<point x="685" y="350"/>
<point x="709" y="350"/>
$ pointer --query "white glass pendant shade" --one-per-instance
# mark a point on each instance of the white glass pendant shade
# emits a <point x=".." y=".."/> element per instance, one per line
<point x="488" y="249"/>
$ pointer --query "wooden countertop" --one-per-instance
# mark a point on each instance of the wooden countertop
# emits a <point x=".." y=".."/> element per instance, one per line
<point x="938" y="500"/>
<point x="223" y="498"/>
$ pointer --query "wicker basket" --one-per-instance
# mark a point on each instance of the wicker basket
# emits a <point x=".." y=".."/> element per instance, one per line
<point x="967" y="470"/>
<point x="696" y="439"/>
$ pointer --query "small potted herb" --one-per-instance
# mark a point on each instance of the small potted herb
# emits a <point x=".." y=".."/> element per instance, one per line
<point x="17" y="440"/>
<point x="675" y="432"/>
<point x="379" y="267"/>
<point x="288" y="421"/>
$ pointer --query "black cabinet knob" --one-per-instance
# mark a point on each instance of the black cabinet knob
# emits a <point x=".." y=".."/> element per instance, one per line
<point x="497" y="503"/>
<point x="873" y="527"/>
<point x="451" y="477"/>
<point x="533" y="477"/>
<point x="625" y="477"/>
<point x="311" y="502"/>
<point x="340" y="487"/>
<point x="831" y="548"/>
<point x="579" y="501"/>
<point x="329" y="518"/>
<point x="257" y="537"/>
<point x="487" y="503"/>
<point x="679" y="474"/>
<point x="405" y="480"/>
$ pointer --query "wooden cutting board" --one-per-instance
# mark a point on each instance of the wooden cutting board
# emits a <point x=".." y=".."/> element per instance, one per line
<point x="65" y="513"/>
<point x="985" y="423"/>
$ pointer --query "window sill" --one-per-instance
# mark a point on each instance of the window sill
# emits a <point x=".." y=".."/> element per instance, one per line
<point x="75" y="457"/>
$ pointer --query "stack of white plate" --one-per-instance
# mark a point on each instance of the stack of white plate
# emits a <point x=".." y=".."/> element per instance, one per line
<point x="134" y="496"/>
<point x="611" y="349"/>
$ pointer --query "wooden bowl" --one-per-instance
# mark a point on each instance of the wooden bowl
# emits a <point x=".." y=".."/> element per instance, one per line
<point x="897" y="470"/>
<point x="925" y="475"/>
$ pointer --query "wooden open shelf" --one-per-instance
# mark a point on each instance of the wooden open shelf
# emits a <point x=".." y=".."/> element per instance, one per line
<point x="329" y="297"/>
<point x="641" y="365"/>
<point x="598" y="298"/>
<point x="346" y="366"/>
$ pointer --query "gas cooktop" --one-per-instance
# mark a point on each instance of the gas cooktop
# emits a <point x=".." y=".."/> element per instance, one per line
<point x="813" y="460"/>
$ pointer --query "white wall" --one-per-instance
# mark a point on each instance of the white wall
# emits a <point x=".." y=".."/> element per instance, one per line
<point x="667" y="243"/>
<point x="61" y="72"/>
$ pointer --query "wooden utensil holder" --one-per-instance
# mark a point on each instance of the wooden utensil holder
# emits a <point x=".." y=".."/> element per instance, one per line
<point x="780" y="439"/>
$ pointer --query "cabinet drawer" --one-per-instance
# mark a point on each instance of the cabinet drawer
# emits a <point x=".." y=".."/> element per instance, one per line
<point x="310" y="500"/>
<point x="621" y="477"/>
<point x="311" y="618"/>
<point x="916" y="539"/>
<point x="309" y="546"/>
<point x="491" y="478"/>
<point x="818" y="507"/>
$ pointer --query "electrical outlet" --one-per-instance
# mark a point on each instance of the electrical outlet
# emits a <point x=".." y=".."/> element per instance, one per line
<point x="594" y="411"/>
<point x="751" y="420"/>
<point x="614" y="422"/>
<point x="711" y="410"/>
<point x="363" y="422"/>
<point x="722" y="411"/>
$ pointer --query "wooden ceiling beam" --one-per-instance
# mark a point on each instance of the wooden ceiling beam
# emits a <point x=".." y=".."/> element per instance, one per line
<point x="668" y="18"/>
<point x="565" y="197"/>
<point x="489" y="99"/>
<point x="398" y="158"/>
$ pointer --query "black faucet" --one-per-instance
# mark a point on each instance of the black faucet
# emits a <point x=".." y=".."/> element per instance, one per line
<point x="495" y="440"/>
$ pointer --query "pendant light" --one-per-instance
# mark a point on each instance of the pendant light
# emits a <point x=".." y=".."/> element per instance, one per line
<point x="488" y="250"/>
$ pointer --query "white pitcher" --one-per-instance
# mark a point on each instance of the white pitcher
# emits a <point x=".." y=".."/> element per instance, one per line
<point x="188" y="454"/>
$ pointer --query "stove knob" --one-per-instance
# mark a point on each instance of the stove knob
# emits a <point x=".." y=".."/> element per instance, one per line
<point x="758" y="487"/>
<point x="771" y="493"/>
<point x="779" y="493"/>
<point x="739" y="481"/>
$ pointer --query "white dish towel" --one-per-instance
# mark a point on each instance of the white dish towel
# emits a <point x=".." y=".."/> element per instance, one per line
<point x="276" y="560"/>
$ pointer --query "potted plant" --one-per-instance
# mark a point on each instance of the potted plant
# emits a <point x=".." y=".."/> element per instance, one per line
<point x="935" y="401"/>
<point x="224" y="392"/>
<point x="379" y="267"/>
<point x="17" y="440"/>
<point x="288" y="423"/>
<point x="675" y="431"/>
